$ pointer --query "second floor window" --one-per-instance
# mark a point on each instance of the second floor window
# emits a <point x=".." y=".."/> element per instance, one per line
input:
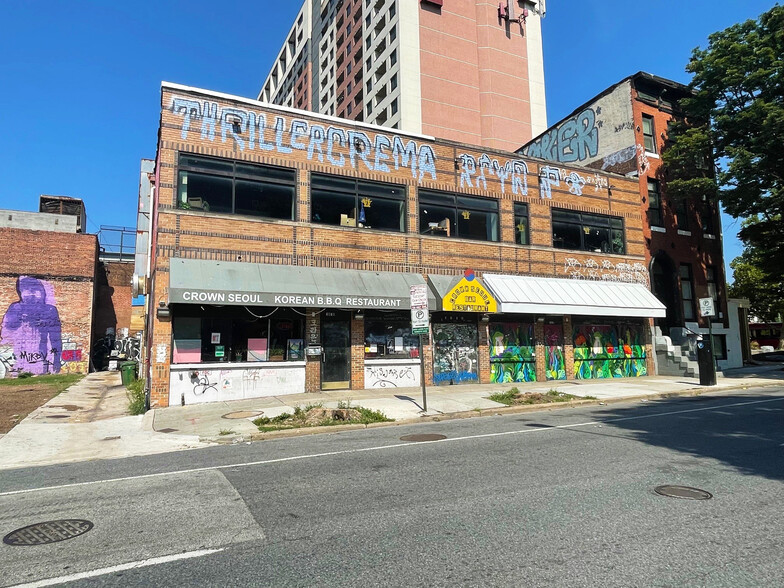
<point x="235" y="187"/>
<point x="682" y="214"/>
<point x="655" y="217"/>
<point x="450" y="215"/>
<point x="347" y="202"/>
<point x="521" y="223"/>
<point x="587" y="232"/>
<point x="687" y="292"/>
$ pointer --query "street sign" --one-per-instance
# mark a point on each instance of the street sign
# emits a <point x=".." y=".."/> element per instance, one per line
<point x="420" y="316"/>
<point x="418" y="293"/>
<point x="706" y="307"/>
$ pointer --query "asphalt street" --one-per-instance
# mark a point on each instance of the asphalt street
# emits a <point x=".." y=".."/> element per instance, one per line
<point x="550" y="498"/>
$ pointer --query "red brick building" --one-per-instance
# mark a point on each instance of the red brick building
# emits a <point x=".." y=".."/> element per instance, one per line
<point x="624" y="130"/>
<point x="47" y="293"/>
<point x="283" y="245"/>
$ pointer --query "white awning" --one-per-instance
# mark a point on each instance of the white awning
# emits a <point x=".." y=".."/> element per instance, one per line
<point x="576" y="297"/>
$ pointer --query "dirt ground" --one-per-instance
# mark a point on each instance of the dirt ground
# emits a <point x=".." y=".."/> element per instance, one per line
<point x="20" y="397"/>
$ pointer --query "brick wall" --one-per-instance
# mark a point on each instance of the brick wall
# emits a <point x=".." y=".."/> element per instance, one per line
<point x="113" y="298"/>
<point x="438" y="165"/>
<point x="46" y="301"/>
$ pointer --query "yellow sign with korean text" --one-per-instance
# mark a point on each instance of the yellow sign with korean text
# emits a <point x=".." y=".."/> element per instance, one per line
<point x="469" y="295"/>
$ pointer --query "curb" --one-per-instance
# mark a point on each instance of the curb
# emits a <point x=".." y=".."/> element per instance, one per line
<point x="501" y="410"/>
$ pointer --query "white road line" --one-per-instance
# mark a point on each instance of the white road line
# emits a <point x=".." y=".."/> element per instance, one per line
<point x="382" y="447"/>
<point x="118" y="568"/>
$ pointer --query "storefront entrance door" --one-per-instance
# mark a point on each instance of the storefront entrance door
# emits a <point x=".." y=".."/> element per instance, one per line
<point x="336" y="358"/>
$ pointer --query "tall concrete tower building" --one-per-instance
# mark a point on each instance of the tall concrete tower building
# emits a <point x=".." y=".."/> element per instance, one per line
<point x="465" y="70"/>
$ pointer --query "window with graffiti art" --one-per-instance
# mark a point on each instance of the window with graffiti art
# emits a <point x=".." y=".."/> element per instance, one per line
<point x="521" y="223"/>
<point x="388" y="336"/>
<point x="609" y="350"/>
<point x="455" y="359"/>
<point x="236" y="335"/>
<point x="512" y="352"/>
<point x="347" y="202"/>
<point x="587" y="232"/>
<point x="233" y="187"/>
<point x="450" y="215"/>
<point x="555" y="365"/>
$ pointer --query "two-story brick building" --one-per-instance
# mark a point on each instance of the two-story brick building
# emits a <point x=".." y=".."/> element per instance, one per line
<point x="284" y="244"/>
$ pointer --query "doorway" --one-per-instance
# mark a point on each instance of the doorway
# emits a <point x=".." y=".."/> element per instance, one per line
<point x="336" y="356"/>
<point x="665" y="288"/>
<point x="455" y="359"/>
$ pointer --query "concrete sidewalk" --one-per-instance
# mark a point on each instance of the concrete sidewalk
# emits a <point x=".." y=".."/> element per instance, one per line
<point x="90" y="421"/>
<point x="232" y="421"/>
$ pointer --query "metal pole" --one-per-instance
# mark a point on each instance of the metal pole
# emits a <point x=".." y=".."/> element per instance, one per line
<point x="422" y="372"/>
<point x="710" y="338"/>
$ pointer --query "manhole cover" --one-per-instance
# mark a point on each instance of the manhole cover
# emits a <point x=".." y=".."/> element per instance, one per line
<point x="423" y="437"/>
<point x="48" y="532"/>
<point x="683" y="492"/>
<point x="243" y="414"/>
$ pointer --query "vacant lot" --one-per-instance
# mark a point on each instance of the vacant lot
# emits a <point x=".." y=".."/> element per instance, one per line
<point x="21" y="396"/>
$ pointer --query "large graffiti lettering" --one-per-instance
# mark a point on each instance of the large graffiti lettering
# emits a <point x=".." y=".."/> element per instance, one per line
<point x="474" y="173"/>
<point x="576" y="139"/>
<point x="550" y="176"/>
<point x="251" y="130"/>
<point x="31" y="335"/>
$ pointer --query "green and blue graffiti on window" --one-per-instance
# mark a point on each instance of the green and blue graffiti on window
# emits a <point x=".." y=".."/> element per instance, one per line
<point x="512" y="352"/>
<point x="609" y="351"/>
<point x="555" y="366"/>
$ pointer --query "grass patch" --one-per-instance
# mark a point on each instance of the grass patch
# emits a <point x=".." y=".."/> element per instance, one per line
<point x="55" y="382"/>
<point x="315" y="415"/>
<point x="224" y="432"/>
<point x="513" y="396"/>
<point x="137" y="399"/>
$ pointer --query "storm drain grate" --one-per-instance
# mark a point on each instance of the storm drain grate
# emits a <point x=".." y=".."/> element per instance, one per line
<point x="423" y="437"/>
<point x="683" y="492"/>
<point x="47" y="532"/>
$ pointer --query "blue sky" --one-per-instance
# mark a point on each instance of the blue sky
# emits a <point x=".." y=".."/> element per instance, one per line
<point x="80" y="80"/>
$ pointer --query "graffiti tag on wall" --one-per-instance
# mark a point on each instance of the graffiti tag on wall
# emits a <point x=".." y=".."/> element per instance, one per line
<point x="474" y="173"/>
<point x="550" y="176"/>
<point x="576" y="139"/>
<point x="391" y="376"/>
<point x="250" y="130"/>
<point x="30" y="335"/>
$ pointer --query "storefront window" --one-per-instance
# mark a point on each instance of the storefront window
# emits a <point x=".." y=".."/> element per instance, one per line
<point x="236" y="335"/>
<point x="611" y="349"/>
<point x="348" y="202"/>
<point x="587" y="232"/>
<point x="388" y="336"/>
<point x="227" y="186"/>
<point x="450" y="215"/>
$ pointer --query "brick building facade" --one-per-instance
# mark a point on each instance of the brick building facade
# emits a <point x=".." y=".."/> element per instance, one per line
<point x="284" y="242"/>
<point x="47" y="290"/>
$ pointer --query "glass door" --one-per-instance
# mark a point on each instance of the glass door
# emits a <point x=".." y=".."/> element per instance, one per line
<point x="336" y="356"/>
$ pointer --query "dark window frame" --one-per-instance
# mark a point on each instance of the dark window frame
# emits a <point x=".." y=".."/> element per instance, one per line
<point x="655" y="213"/>
<point x="522" y="222"/>
<point x="649" y="139"/>
<point x="459" y="204"/>
<point x="359" y="196"/>
<point x="689" y="279"/>
<point x="720" y="350"/>
<point x="682" y="215"/>
<point x="239" y="173"/>
<point x="711" y="276"/>
<point x="585" y="220"/>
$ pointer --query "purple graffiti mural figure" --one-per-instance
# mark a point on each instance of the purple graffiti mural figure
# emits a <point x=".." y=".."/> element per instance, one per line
<point x="32" y="327"/>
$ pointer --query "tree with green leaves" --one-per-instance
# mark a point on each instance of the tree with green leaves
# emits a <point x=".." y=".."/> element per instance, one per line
<point x="735" y="118"/>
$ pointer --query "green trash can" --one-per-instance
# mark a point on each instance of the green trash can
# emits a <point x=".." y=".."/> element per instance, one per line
<point x="128" y="371"/>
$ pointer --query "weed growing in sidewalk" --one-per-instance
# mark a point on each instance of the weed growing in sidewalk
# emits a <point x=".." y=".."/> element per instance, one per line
<point x="315" y="415"/>
<point x="224" y="432"/>
<point x="513" y="396"/>
<point x="137" y="401"/>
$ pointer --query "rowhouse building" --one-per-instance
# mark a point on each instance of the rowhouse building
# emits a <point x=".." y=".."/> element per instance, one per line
<point x="284" y="245"/>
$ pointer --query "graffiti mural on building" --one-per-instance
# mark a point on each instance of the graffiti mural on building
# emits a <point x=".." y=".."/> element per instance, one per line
<point x="575" y="139"/>
<point x="550" y="176"/>
<point x="512" y="352"/>
<point x="612" y="350"/>
<point x="111" y="346"/>
<point x="474" y="173"/>
<point x="391" y="376"/>
<point x="607" y="271"/>
<point x="250" y="130"/>
<point x="555" y="366"/>
<point x="455" y="357"/>
<point x="30" y="335"/>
